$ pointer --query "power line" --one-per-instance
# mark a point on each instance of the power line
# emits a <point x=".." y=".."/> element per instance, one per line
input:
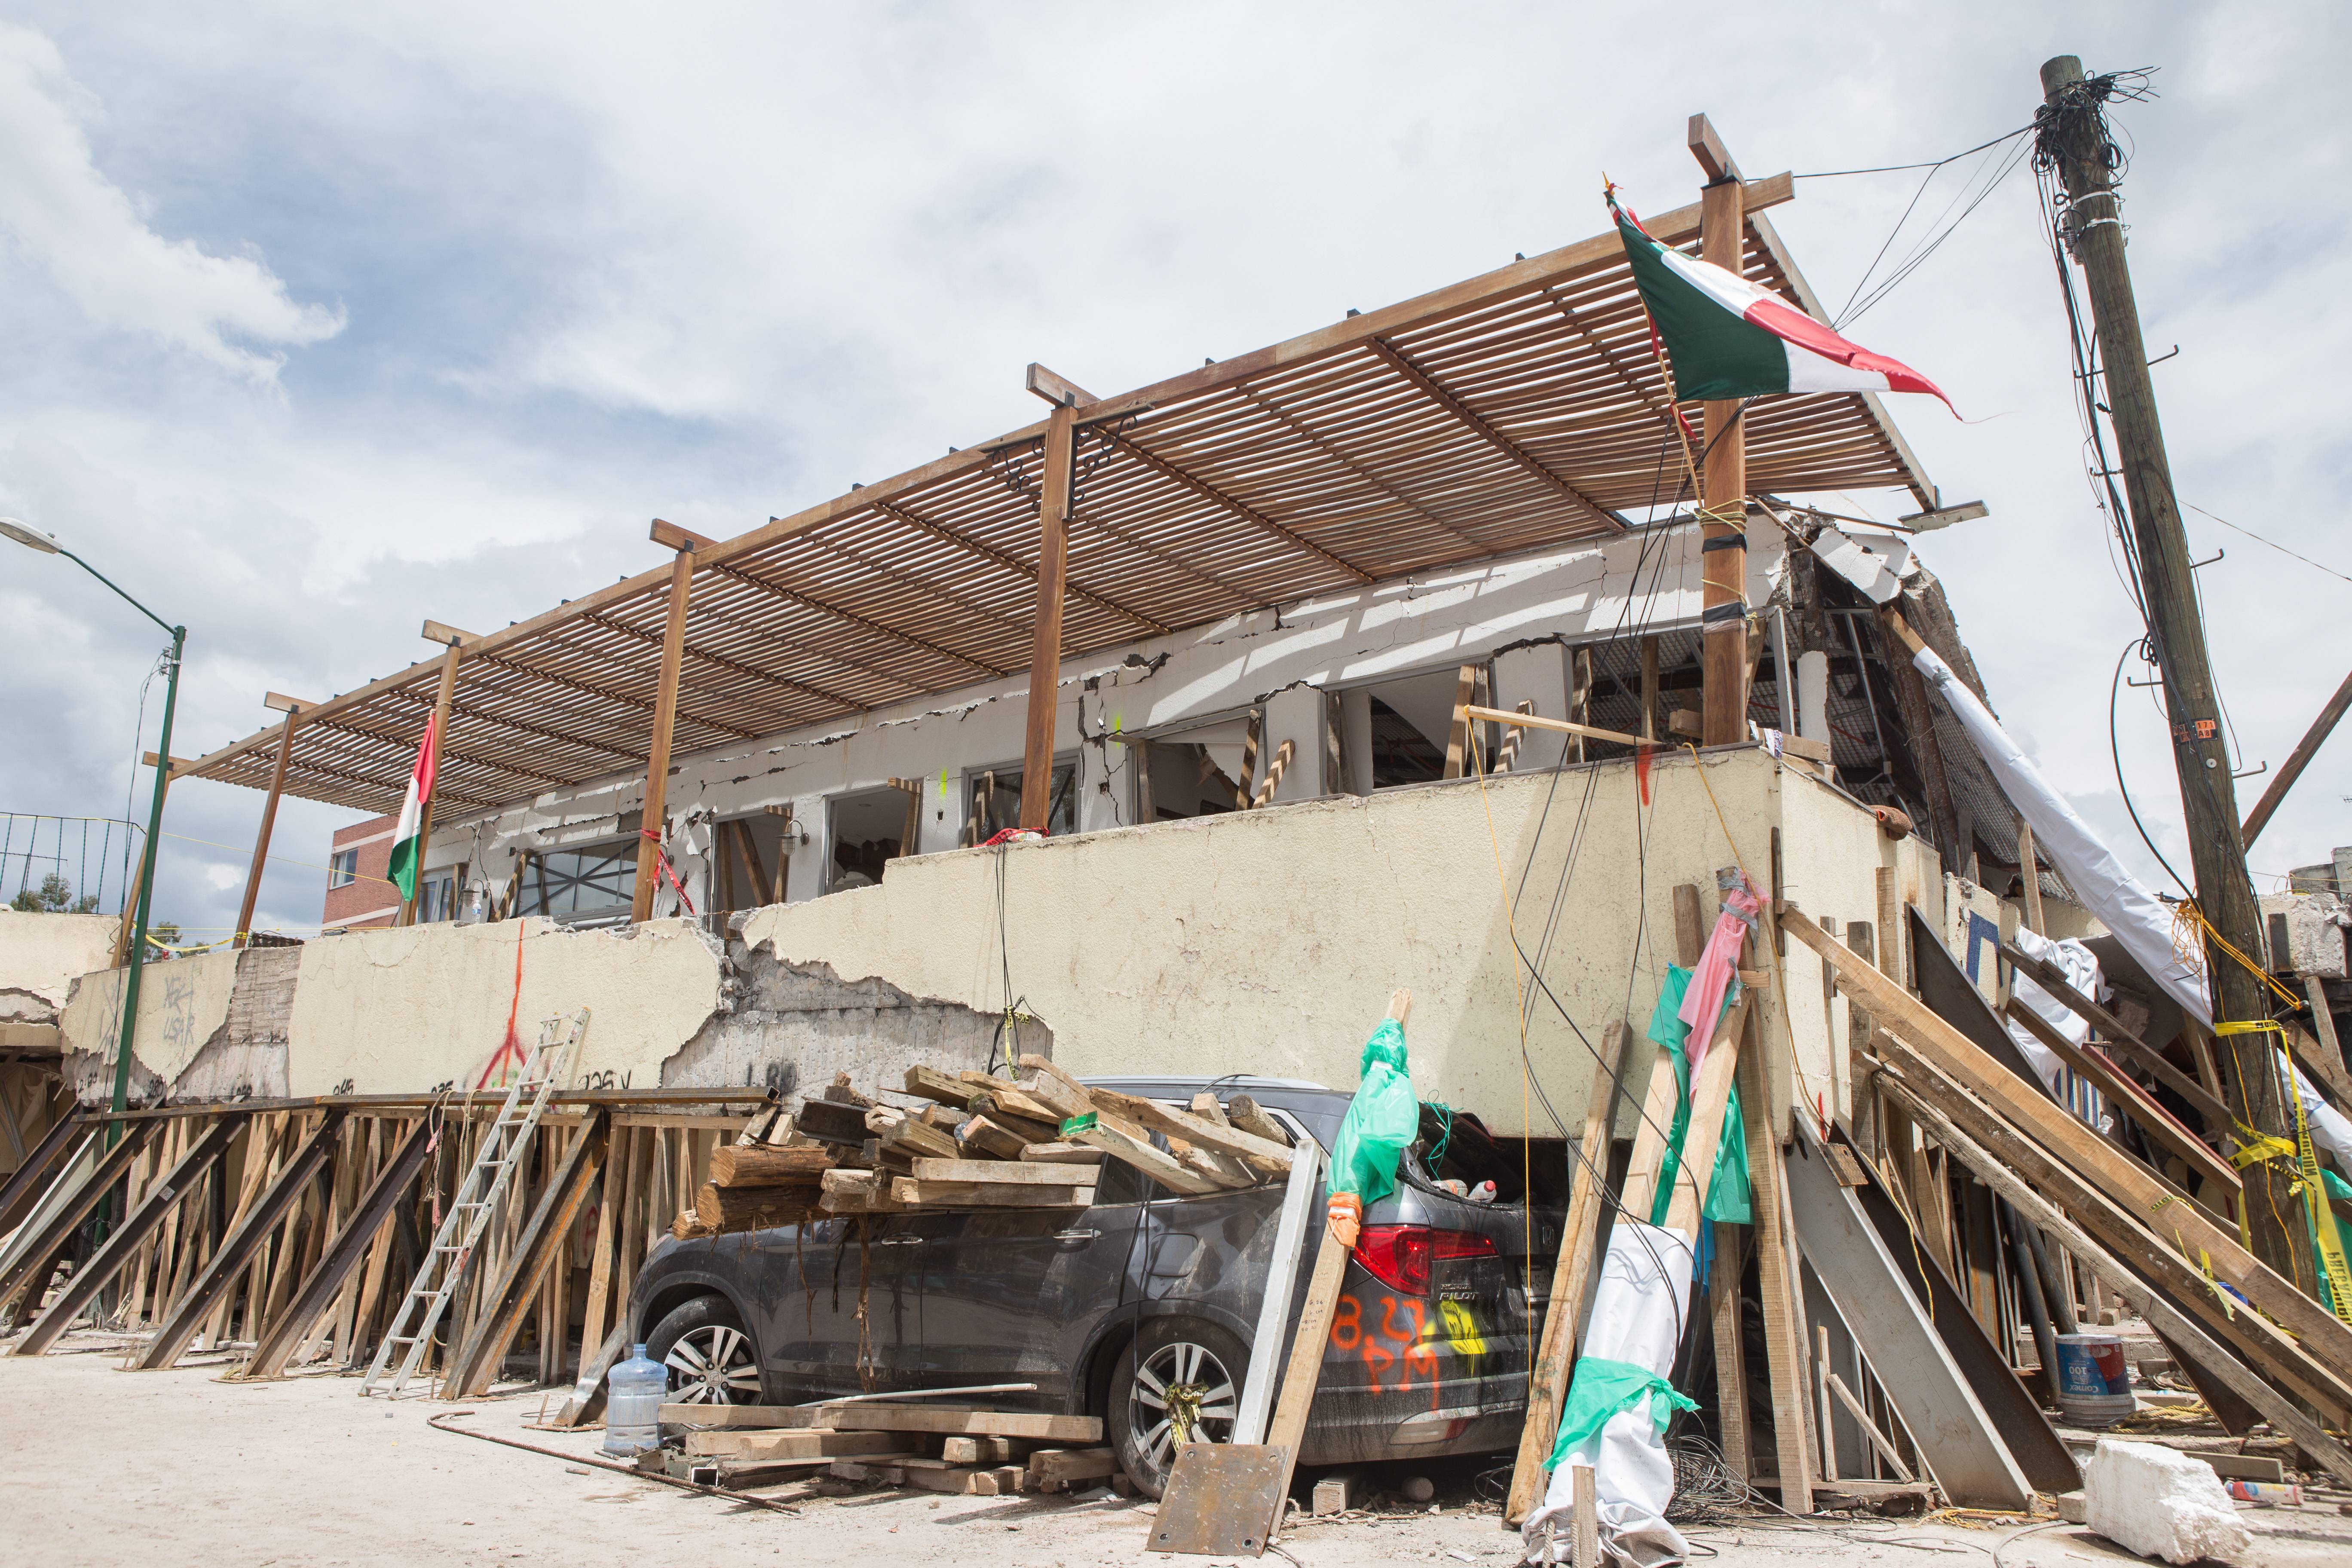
<point x="2258" y="538"/>
<point x="1899" y="168"/>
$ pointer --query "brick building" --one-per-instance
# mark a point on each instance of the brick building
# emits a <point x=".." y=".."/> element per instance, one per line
<point x="358" y="863"/>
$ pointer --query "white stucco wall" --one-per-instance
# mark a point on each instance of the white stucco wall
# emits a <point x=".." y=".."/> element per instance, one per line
<point x="1269" y="942"/>
<point x="42" y="956"/>
<point x="418" y="1007"/>
<point x="181" y="1004"/>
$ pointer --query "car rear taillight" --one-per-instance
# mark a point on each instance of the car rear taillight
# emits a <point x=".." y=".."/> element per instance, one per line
<point x="1401" y="1256"/>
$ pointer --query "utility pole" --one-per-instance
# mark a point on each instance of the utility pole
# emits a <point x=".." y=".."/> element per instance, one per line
<point x="2071" y="132"/>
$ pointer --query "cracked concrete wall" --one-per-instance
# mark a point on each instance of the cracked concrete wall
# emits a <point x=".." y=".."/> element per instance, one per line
<point x="41" y="957"/>
<point x="182" y="1005"/>
<point x="1581" y="593"/>
<point x="1268" y="941"/>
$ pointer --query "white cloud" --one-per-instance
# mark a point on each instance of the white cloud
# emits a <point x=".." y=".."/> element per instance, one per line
<point x="85" y="231"/>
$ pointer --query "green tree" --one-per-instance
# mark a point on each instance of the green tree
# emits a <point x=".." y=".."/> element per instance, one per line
<point x="54" y="895"/>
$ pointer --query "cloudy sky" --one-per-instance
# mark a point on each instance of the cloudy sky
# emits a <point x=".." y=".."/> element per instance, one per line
<point x="315" y="322"/>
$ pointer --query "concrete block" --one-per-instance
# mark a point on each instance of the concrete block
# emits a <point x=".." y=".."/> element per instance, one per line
<point x="2159" y="1502"/>
<point x="2304" y="932"/>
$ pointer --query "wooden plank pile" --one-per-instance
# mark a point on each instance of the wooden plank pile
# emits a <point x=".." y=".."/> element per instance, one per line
<point x="959" y="1449"/>
<point x="972" y="1140"/>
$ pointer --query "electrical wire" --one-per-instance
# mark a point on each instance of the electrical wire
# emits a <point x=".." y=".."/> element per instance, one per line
<point x="2114" y="750"/>
<point x="1974" y="193"/>
<point x="2258" y="538"/>
<point x="1899" y="168"/>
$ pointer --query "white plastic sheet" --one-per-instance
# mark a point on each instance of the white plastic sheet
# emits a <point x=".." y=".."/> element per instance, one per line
<point x="2081" y="966"/>
<point x="1639" y="1312"/>
<point x="2139" y="921"/>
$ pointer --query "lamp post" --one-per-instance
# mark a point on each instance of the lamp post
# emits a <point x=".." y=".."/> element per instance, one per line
<point x="33" y="538"/>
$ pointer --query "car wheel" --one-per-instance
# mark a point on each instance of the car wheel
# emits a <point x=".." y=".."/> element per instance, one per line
<point x="710" y="1354"/>
<point x="1179" y="1381"/>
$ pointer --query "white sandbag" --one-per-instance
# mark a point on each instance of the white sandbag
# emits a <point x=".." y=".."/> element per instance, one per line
<point x="1640" y="1310"/>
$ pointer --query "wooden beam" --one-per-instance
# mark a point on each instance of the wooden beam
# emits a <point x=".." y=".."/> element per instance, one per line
<point x="440" y="734"/>
<point x="1565" y="726"/>
<point x="240" y="1247"/>
<point x="2130" y="1185"/>
<point x="2129" y="1098"/>
<point x="670" y="536"/>
<point x="2052" y="979"/>
<point x="2161" y="1314"/>
<point x="1723" y="473"/>
<point x="1247" y="513"/>
<point x="1580" y="1243"/>
<point x="1056" y="390"/>
<point x="994" y="557"/>
<point x="370" y="1216"/>
<point x="2028" y="876"/>
<point x="653" y="824"/>
<point x="2291" y="770"/>
<point x="269" y="821"/>
<point x="1436" y="392"/>
<point x="33" y="1264"/>
<point x="1775" y="1278"/>
<point x="1045" y="651"/>
<point x="507" y="1299"/>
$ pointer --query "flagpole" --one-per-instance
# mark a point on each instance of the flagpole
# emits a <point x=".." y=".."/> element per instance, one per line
<point x="433" y="632"/>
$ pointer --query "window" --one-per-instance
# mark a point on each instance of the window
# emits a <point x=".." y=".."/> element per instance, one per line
<point x="992" y="802"/>
<point x="342" y="868"/>
<point x="867" y="829"/>
<point x="572" y="885"/>
<point x="436" y="895"/>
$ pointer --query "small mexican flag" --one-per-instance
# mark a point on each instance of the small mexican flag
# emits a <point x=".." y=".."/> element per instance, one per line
<point x="1728" y="339"/>
<point x="408" y="837"/>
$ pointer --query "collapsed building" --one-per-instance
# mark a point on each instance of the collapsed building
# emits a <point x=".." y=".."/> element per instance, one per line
<point x="1167" y="736"/>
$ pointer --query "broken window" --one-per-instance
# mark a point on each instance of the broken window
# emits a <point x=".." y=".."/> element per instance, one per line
<point x="867" y="828"/>
<point x="992" y="802"/>
<point x="579" y="886"/>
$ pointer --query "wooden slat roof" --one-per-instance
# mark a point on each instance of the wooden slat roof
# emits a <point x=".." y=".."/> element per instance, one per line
<point x="1518" y="409"/>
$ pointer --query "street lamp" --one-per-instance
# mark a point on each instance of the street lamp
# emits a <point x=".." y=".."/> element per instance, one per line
<point x="32" y="538"/>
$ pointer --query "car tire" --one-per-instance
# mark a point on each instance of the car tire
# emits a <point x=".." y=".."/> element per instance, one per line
<point x="1203" y="1363"/>
<point x="711" y="1356"/>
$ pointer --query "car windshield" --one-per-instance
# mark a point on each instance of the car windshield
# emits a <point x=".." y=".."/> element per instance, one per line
<point x="1319" y="1110"/>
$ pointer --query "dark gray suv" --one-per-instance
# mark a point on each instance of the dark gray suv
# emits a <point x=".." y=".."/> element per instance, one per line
<point x="1139" y="1310"/>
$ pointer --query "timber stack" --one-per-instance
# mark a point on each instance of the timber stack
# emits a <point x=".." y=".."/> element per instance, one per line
<point x="976" y="1140"/>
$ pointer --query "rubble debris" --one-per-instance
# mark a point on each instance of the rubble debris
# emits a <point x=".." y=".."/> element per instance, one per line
<point x="2159" y="1503"/>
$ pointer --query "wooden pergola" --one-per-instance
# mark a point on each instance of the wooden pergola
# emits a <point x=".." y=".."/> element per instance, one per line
<point x="1517" y="409"/>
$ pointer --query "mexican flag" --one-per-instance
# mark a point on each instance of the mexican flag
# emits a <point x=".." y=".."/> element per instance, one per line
<point x="1728" y="339"/>
<point x="408" y="837"/>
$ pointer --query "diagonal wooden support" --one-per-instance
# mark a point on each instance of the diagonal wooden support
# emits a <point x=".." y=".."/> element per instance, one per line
<point x="509" y="1298"/>
<point x="237" y="1248"/>
<point x="66" y="1133"/>
<point x="1579" y="1255"/>
<point x="278" y="1340"/>
<point x="1775" y="1278"/>
<point x="2128" y="1184"/>
<point x="108" y="1260"/>
<point x="33" y="1264"/>
<point x="2160" y="1313"/>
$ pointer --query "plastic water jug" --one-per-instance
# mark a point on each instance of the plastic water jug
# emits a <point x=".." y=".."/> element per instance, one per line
<point x="633" y="1401"/>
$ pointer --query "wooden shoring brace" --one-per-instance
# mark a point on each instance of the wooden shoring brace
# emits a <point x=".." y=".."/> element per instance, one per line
<point x="1253" y="736"/>
<point x="1274" y="771"/>
<point x="2072" y="1152"/>
<point x="66" y="1133"/>
<point x="1507" y="752"/>
<point x="1579" y="1255"/>
<point x="509" y="1298"/>
<point x="371" y="1215"/>
<point x="238" y="1247"/>
<point x="33" y="1266"/>
<point x="163" y="1199"/>
<point x="2153" y="1305"/>
<point x="261" y="1136"/>
<point x="601" y="1262"/>
<point x="1469" y="682"/>
<point x="1776" y="1277"/>
<point x="1305" y="1373"/>
<point x="334" y="1327"/>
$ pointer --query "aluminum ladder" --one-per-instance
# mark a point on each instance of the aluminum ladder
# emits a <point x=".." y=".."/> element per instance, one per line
<point x="504" y="1144"/>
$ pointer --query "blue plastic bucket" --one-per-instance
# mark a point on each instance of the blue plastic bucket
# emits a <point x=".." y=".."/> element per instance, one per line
<point x="2093" y="1380"/>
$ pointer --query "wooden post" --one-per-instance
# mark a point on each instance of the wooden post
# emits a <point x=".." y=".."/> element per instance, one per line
<point x="2028" y="875"/>
<point x="1775" y="1278"/>
<point x="1723" y="474"/>
<point x="2072" y="130"/>
<point x="450" y="636"/>
<point x="1648" y="728"/>
<point x="1045" y="651"/>
<point x="672" y="654"/>
<point x="2291" y="770"/>
<point x="1547" y="1381"/>
<point x="293" y="710"/>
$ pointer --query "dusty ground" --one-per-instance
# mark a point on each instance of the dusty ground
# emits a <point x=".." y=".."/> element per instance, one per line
<point x="98" y="1466"/>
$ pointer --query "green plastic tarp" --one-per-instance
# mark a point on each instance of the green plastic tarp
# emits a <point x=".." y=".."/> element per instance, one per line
<point x="1727" y="1189"/>
<point x="1381" y="1120"/>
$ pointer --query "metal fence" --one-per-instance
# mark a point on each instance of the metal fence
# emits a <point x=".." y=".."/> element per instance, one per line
<point x="86" y="865"/>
